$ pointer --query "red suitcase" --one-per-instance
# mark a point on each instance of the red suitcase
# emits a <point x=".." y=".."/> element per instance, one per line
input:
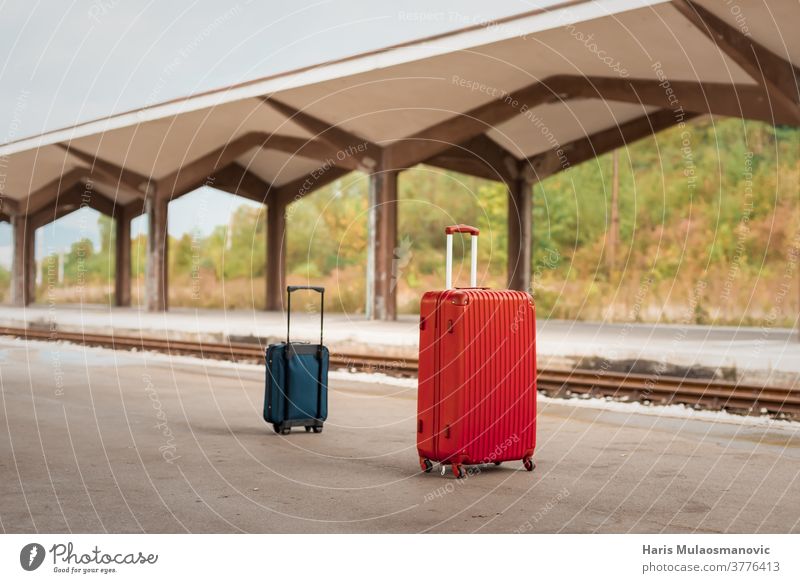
<point x="476" y="401"/>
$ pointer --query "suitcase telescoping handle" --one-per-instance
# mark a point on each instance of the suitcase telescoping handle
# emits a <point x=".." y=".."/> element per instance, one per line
<point x="473" y="272"/>
<point x="294" y="288"/>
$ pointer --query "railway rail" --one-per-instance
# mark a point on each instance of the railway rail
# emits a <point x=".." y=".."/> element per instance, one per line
<point x="781" y="402"/>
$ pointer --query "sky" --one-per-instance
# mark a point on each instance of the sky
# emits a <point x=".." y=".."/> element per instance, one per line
<point x="70" y="62"/>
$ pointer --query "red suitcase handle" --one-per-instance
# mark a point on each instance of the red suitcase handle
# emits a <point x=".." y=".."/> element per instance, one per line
<point x="473" y="272"/>
<point x="462" y="229"/>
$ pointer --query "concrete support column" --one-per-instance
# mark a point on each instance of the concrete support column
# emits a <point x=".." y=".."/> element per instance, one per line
<point x="520" y="199"/>
<point x="157" y="250"/>
<point x="122" y="274"/>
<point x="381" y="280"/>
<point x="276" y="253"/>
<point x="23" y="282"/>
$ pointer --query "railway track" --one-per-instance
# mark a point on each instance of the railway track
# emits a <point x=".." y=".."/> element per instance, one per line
<point x="701" y="393"/>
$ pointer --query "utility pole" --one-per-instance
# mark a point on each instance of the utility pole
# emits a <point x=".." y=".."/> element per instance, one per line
<point x="613" y="230"/>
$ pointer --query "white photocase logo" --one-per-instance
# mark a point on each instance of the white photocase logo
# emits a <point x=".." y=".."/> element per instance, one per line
<point x="31" y="556"/>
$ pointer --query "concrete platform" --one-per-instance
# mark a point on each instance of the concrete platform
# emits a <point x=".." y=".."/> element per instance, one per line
<point x="758" y="355"/>
<point x="96" y="440"/>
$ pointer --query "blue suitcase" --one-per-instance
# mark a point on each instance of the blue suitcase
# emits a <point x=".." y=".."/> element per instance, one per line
<point x="297" y="378"/>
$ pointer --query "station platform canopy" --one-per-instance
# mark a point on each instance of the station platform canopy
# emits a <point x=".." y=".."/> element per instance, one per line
<point x="514" y="100"/>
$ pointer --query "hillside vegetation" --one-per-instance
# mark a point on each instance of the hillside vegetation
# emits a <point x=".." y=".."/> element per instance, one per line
<point x="709" y="224"/>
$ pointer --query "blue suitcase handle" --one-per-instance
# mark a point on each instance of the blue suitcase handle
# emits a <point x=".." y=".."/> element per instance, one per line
<point x="294" y="288"/>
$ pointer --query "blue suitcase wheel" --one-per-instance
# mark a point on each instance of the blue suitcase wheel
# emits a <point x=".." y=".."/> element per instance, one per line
<point x="286" y="431"/>
<point x="308" y="428"/>
<point x="276" y="427"/>
<point x="317" y="429"/>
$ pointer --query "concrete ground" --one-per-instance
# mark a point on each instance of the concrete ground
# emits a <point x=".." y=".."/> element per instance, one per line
<point x="756" y="355"/>
<point x="96" y="440"/>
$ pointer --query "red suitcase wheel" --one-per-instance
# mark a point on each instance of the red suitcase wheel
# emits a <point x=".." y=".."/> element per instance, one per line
<point x="529" y="465"/>
<point x="426" y="465"/>
<point x="458" y="471"/>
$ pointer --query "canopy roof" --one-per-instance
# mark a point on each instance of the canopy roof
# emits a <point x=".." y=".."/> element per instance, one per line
<point x="523" y="91"/>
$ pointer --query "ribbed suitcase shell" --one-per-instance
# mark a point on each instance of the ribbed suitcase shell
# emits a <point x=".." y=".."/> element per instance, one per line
<point x="477" y="376"/>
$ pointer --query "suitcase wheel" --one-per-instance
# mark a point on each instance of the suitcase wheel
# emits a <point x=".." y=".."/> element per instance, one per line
<point x="276" y="427"/>
<point x="286" y="430"/>
<point x="458" y="471"/>
<point x="529" y="465"/>
<point x="308" y="428"/>
<point x="426" y="465"/>
<point x="497" y="463"/>
<point x="317" y="429"/>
